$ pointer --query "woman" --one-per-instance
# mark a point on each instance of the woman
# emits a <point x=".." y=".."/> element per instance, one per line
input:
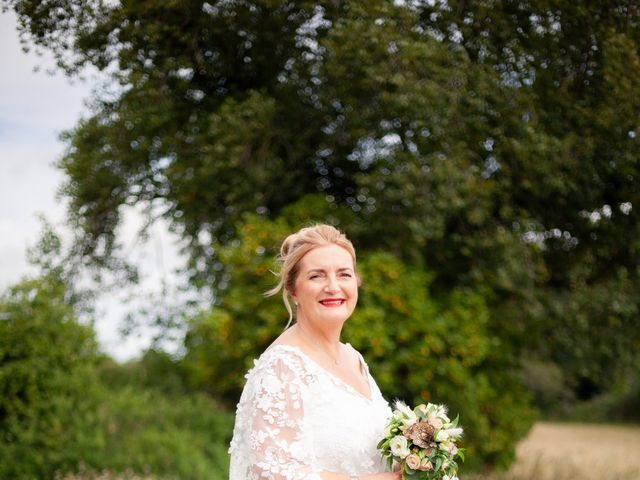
<point x="310" y="410"/>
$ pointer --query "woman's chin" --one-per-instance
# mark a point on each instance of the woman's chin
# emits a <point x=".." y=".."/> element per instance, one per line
<point x="338" y="315"/>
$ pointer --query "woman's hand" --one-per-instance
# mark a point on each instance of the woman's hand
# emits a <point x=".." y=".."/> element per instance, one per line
<point x="382" y="476"/>
<point x="376" y="476"/>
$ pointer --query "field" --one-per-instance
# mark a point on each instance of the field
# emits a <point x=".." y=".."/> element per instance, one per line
<point x="551" y="451"/>
<point x="565" y="451"/>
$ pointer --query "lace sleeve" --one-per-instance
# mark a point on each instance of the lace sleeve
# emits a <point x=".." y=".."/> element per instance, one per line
<point x="269" y="441"/>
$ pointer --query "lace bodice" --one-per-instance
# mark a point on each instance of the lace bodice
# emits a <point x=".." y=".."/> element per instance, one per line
<point x="296" y="419"/>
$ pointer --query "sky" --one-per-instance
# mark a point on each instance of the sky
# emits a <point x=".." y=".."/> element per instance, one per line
<point x="35" y="107"/>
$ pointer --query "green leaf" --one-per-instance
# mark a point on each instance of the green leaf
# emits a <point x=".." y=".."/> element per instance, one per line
<point x="438" y="464"/>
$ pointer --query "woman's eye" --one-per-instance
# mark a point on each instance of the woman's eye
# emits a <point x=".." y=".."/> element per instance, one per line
<point x="348" y="275"/>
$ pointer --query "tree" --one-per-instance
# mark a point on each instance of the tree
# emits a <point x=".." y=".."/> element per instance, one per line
<point x="248" y="106"/>
<point x="579" y="63"/>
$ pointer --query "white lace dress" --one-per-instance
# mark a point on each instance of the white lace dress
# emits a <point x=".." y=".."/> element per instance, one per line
<point x="296" y="419"/>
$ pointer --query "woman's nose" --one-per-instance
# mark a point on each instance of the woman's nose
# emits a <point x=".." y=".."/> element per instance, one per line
<point x="332" y="284"/>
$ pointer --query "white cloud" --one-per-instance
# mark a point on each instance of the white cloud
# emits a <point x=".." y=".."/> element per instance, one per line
<point x="28" y="149"/>
<point x="34" y="109"/>
<point x="33" y="102"/>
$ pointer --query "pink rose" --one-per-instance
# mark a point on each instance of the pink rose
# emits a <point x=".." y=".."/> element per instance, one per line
<point x="436" y="422"/>
<point x="426" y="465"/>
<point x="413" y="461"/>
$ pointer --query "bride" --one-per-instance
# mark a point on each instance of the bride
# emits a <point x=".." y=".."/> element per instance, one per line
<point x="310" y="409"/>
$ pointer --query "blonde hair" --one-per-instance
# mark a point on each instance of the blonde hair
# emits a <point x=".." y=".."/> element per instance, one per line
<point x="296" y="246"/>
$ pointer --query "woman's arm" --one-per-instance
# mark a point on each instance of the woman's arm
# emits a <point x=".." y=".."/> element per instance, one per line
<point x="268" y="429"/>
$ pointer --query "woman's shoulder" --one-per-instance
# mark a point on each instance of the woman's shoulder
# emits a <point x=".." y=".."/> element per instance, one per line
<point x="281" y="356"/>
<point x="354" y="355"/>
<point x="286" y="350"/>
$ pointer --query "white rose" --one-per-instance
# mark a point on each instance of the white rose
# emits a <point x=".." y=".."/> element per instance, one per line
<point x="399" y="446"/>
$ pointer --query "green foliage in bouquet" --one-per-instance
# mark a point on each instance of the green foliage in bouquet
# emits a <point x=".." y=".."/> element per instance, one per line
<point x="420" y="346"/>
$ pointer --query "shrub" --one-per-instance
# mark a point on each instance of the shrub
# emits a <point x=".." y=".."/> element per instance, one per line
<point x="60" y="414"/>
<point x="48" y="393"/>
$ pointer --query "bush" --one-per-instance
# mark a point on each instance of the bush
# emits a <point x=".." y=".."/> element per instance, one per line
<point x="48" y="392"/>
<point x="155" y="369"/>
<point x="547" y="384"/>
<point x="61" y="414"/>
<point x="621" y="404"/>
<point x="146" y="431"/>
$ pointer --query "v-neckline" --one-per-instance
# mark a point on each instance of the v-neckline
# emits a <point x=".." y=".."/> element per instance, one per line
<point x="333" y="376"/>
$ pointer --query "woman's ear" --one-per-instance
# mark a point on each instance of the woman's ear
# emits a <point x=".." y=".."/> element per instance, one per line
<point x="292" y="295"/>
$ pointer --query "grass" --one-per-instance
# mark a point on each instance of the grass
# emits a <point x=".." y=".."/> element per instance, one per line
<point x="103" y="475"/>
<point x="571" y="451"/>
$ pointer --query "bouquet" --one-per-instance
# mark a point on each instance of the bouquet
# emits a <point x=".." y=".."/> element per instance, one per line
<point x="423" y="441"/>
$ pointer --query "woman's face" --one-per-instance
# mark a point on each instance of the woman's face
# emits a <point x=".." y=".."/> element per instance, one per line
<point x="326" y="288"/>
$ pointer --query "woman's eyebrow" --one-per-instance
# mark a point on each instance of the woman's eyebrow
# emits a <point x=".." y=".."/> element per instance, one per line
<point x="322" y="270"/>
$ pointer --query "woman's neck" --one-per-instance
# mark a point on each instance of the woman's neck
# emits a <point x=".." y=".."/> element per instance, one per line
<point x="325" y="339"/>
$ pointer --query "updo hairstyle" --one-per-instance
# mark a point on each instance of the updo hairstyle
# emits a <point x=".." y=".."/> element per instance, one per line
<point x="296" y="246"/>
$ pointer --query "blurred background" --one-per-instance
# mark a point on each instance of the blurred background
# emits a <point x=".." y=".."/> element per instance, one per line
<point x="482" y="156"/>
